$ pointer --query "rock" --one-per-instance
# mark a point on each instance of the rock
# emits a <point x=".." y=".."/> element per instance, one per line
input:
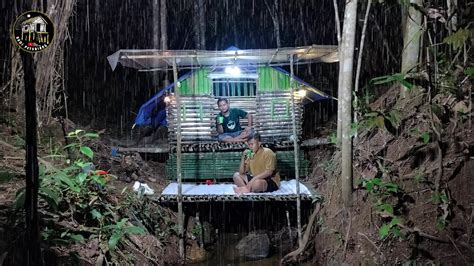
<point x="461" y="107"/>
<point x="254" y="246"/>
<point x="196" y="254"/>
<point x="285" y="240"/>
<point x="209" y="236"/>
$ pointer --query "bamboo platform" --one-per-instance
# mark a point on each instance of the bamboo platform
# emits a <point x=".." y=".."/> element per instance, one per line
<point x="192" y="192"/>
<point x="213" y="146"/>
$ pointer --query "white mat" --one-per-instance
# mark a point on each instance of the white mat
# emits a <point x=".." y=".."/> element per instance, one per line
<point x="286" y="188"/>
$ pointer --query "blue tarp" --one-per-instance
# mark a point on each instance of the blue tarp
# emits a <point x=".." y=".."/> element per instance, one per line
<point x="153" y="112"/>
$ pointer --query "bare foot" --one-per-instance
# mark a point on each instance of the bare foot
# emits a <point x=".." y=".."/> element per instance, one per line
<point x="241" y="190"/>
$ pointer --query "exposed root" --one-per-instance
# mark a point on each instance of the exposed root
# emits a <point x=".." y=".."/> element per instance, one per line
<point x="294" y="255"/>
<point x="347" y="236"/>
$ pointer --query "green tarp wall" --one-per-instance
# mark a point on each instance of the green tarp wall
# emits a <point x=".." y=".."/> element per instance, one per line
<point x="222" y="165"/>
<point x="197" y="84"/>
<point x="271" y="80"/>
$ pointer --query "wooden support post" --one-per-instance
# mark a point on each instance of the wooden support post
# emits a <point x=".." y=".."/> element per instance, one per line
<point x="295" y="148"/>
<point x="32" y="234"/>
<point x="177" y="86"/>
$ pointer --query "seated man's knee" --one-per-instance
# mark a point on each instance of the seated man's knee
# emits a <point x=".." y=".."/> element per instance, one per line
<point x="221" y="137"/>
<point x="236" y="175"/>
<point x="259" y="186"/>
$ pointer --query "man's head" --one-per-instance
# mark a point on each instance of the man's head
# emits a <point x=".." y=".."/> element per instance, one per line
<point x="254" y="141"/>
<point x="223" y="105"/>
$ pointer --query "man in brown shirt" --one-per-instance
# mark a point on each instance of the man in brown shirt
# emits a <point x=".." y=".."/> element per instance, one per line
<point x="261" y="163"/>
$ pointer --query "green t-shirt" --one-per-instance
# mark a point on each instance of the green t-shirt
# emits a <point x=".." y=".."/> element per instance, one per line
<point x="232" y="122"/>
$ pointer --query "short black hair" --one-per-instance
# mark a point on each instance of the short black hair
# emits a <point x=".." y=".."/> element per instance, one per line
<point x="256" y="136"/>
<point x="221" y="100"/>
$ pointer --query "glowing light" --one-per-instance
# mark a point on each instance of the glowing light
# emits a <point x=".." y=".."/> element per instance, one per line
<point x="232" y="70"/>
<point x="301" y="93"/>
<point x="167" y="99"/>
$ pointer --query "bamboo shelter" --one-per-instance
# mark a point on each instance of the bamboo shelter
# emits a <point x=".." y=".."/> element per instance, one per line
<point x="260" y="86"/>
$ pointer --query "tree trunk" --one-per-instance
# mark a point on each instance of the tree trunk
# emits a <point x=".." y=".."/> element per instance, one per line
<point x="49" y="64"/>
<point x="275" y="20"/>
<point x="156" y="23"/>
<point x="339" y="83"/>
<point x="277" y="24"/>
<point x="345" y="99"/>
<point x="199" y="25"/>
<point x="411" y="39"/>
<point x="359" y="57"/>
<point x="164" y="25"/>
<point x="202" y="25"/>
<point x="156" y="10"/>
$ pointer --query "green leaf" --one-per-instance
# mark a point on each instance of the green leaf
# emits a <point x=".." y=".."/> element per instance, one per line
<point x="50" y="196"/>
<point x="383" y="79"/>
<point x="391" y="187"/>
<point x="75" y="133"/>
<point x="384" y="231"/>
<point x="98" y="179"/>
<point x="441" y="223"/>
<point x="386" y="208"/>
<point x="122" y="222"/>
<point x="395" y="118"/>
<point x="379" y="122"/>
<point x="96" y="214"/>
<point x="377" y="181"/>
<point x="81" y="177"/>
<point x="395" y="221"/>
<point x="71" y="184"/>
<point x="369" y="186"/>
<point x="469" y="71"/>
<point x="72" y="145"/>
<point x="91" y="135"/>
<point x="110" y="226"/>
<point x="19" y="199"/>
<point x="114" y="239"/>
<point x="87" y="151"/>
<point x="458" y="38"/>
<point x="77" y="238"/>
<point x="396" y="232"/>
<point x="372" y="114"/>
<point x="135" y="230"/>
<point x="64" y="233"/>
<point x="406" y="84"/>
<point x="425" y="137"/>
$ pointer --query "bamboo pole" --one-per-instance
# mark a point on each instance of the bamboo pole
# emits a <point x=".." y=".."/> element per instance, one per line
<point x="178" y="160"/>
<point x="295" y="148"/>
<point x="32" y="236"/>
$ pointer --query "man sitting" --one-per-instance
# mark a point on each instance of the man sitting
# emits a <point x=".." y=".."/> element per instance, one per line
<point x="228" y="123"/>
<point x="261" y="162"/>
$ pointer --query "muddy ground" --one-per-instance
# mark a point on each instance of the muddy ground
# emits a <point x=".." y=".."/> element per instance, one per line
<point x="433" y="229"/>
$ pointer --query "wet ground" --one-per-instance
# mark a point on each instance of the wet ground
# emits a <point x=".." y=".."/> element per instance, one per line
<point x="225" y="253"/>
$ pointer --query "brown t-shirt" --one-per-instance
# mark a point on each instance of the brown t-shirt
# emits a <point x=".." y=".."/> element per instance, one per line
<point x="264" y="159"/>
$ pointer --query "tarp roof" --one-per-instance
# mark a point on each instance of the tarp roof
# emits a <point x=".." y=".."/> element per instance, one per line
<point x="159" y="60"/>
<point x="162" y="60"/>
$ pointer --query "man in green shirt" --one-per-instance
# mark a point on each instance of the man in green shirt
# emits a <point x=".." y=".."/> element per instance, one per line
<point x="228" y="123"/>
<point x="258" y="169"/>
